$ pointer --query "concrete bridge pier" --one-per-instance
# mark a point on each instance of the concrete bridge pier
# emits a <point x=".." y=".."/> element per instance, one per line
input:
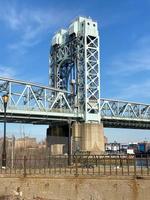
<point x="57" y="138"/>
<point x="78" y="136"/>
<point x="88" y="137"/>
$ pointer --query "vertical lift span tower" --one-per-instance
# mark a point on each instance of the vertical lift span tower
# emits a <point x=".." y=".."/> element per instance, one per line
<point x="75" y="67"/>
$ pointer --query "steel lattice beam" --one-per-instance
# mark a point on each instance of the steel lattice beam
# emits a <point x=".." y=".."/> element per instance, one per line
<point x="33" y="103"/>
<point x="74" y="66"/>
<point x="29" y="100"/>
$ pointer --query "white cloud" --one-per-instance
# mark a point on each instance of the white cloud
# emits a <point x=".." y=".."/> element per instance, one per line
<point x="6" y="71"/>
<point x="30" y="24"/>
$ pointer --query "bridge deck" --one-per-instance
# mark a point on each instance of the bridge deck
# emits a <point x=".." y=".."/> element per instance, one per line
<point x="34" y="103"/>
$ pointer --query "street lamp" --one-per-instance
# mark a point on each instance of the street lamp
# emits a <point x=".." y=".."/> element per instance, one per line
<point x="5" y="98"/>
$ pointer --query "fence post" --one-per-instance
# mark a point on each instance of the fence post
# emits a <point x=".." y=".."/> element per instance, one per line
<point x="104" y="165"/>
<point x="30" y="165"/>
<point x="110" y="163"/>
<point x="141" y="162"/>
<point x="76" y="165"/>
<point x="69" y="143"/>
<point x="134" y="165"/>
<point x="24" y="166"/>
<point x="128" y="164"/>
<point x="147" y="163"/>
<point x="116" y="165"/>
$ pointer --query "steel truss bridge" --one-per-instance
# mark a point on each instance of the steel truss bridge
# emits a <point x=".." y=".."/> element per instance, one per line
<point x="33" y="103"/>
<point x="74" y="86"/>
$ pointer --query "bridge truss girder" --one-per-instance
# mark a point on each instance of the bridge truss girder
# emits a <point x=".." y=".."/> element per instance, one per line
<point x="33" y="103"/>
<point x="29" y="100"/>
<point x="124" y="114"/>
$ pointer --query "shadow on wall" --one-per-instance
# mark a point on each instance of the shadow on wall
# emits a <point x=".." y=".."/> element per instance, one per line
<point x="11" y="197"/>
<point x="18" y="195"/>
<point x="6" y="197"/>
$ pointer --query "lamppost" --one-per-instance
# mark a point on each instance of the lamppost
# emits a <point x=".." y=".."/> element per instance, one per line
<point x="5" y="98"/>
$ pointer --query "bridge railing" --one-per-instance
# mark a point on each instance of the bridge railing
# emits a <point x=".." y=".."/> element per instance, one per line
<point x="92" y="165"/>
<point x="30" y="96"/>
<point x="124" y="109"/>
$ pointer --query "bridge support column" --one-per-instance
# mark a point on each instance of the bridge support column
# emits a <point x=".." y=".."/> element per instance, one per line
<point x="57" y="139"/>
<point x="88" y="137"/>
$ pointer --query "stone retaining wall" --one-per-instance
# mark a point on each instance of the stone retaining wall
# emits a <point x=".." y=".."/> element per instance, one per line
<point x="80" y="188"/>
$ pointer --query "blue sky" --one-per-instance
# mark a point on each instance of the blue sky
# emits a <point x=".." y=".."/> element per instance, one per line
<point x="26" y="29"/>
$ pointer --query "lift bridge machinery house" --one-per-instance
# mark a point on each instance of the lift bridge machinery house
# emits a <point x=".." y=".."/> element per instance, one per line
<point x="74" y="89"/>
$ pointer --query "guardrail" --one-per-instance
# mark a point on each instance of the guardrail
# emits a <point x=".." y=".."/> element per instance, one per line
<point x="91" y="165"/>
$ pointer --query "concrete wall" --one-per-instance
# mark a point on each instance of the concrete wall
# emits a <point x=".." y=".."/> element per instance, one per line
<point x="90" y="136"/>
<point x="85" y="137"/>
<point x="61" y="188"/>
